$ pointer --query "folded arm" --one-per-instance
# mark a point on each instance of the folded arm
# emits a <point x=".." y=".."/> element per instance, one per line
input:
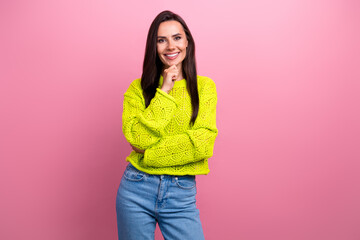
<point x="142" y="127"/>
<point x="193" y="145"/>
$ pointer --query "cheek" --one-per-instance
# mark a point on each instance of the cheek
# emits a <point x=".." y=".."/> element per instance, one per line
<point x="159" y="49"/>
<point x="183" y="45"/>
<point x="184" y="48"/>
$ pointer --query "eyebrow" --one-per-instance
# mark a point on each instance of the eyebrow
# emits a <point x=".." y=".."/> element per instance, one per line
<point x="172" y="35"/>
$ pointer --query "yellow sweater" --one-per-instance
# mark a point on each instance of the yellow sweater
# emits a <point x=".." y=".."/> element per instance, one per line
<point x="162" y="129"/>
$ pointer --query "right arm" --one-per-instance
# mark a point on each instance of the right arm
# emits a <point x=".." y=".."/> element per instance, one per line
<point x="143" y="127"/>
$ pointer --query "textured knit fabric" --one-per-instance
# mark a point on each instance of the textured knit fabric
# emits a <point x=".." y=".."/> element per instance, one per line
<point x="171" y="145"/>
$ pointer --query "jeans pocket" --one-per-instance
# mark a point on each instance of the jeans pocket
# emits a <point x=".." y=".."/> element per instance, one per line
<point x="133" y="174"/>
<point x="186" y="182"/>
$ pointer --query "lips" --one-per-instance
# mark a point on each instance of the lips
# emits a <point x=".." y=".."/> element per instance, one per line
<point x="172" y="54"/>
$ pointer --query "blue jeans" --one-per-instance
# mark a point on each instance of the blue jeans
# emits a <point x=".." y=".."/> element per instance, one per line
<point x="144" y="199"/>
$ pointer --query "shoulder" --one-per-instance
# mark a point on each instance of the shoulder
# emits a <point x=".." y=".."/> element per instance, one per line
<point x="205" y="80"/>
<point x="135" y="85"/>
<point x="134" y="88"/>
<point x="206" y="84"/>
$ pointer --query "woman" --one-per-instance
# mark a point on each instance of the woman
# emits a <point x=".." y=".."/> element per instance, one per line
<point x="169" y="119"/>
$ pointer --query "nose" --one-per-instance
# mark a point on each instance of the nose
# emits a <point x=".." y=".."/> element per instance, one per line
<point x="171" y="45"/>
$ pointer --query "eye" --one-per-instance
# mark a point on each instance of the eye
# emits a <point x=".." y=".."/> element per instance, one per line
<point x="161" y="40"/>
<point x="177" y="38"/>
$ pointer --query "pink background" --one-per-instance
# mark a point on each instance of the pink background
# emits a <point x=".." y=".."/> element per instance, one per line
<point x="286" y="161"/>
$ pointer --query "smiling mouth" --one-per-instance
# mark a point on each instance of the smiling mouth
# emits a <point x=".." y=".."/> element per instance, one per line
<point x="172" y="55"/>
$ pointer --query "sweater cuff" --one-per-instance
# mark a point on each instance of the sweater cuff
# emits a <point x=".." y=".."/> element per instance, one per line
<point x="163" y="93"/>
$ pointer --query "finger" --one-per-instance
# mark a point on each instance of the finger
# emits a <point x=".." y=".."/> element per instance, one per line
<point x="173" y="71"/>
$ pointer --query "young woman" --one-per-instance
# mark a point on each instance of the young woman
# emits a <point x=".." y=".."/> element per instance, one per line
<point x="169" y="119"/>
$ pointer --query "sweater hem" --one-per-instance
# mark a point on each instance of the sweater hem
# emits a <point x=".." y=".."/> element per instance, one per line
<point x="164" y="172"/>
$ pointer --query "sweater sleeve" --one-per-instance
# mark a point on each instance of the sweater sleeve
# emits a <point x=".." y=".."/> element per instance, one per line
<point x="194" y="144"/>
<point x="142" y="127"/>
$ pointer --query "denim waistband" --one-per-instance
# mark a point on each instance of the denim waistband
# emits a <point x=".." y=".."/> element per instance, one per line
<point x="161" y="176"/>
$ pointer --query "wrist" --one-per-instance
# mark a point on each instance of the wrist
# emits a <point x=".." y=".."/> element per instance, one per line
<point x="165" y="90"/>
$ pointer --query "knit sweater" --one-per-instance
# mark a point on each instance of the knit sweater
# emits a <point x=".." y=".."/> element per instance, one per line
<point x="162" y="129"/>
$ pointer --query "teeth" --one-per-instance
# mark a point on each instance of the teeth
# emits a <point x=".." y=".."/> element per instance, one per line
<point x="172" y="55"/>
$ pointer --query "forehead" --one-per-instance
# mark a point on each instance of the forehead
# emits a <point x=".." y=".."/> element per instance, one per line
<point x="169" y="28"/>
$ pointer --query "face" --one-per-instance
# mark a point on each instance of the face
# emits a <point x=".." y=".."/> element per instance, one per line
<point x="171" y="43"/>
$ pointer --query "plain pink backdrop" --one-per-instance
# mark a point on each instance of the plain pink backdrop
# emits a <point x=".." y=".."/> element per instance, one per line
<point x="286" y="160"/>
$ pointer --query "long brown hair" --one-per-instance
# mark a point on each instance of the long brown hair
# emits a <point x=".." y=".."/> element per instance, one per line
<point x="152" y="66"/>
